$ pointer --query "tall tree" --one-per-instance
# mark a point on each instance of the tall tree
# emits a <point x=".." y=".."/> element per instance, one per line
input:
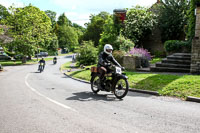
<point x="63" y="20"/>
<point x="95" y="27"/>
<point x="80" y="31"/>
<point x="30" y="28"/>
<point x="109" y="34"/>
<point x="3" y="12"/>
<point x="139" y="23"/>
<point x="67" y="37"/>
<point x="52" y="16"/>
<point x="173" y="18"/>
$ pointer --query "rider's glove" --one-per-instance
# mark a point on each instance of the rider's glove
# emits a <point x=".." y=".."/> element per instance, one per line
<point x="107" y="64"/>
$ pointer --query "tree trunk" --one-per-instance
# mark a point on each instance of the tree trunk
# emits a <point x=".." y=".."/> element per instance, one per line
<point x="29" y="57"/>
<point x="24" y="59"/>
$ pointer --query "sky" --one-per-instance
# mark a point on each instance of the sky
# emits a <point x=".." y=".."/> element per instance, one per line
<point x="78" y="11"/>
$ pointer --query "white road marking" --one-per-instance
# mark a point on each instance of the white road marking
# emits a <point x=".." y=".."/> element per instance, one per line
<point x="51" y="100"/>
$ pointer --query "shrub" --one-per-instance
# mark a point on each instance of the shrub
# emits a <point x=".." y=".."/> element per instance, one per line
<point x="140" y="52"/>
<point x="139" y="23"/>
<point x="143" y="55"/>
<point x="87" y="54"/>
<point x="118" y="55"/>
<point x="177" y="46"/>
<point x="123" y="43"/>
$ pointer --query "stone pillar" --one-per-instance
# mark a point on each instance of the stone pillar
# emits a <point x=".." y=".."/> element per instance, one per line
<point x="195" y="55"/>
<point x="131" y="63"/>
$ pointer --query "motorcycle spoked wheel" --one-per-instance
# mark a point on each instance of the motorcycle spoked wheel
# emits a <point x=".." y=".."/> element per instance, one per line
<point x="95" y="82"/>
<point x="41" y="69"/>
<point x="121" y="88"/>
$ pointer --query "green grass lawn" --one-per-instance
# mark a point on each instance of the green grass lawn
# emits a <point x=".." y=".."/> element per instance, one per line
<point x="166" y="84"/>
<point x="19" y="62"/>
<point x="155" y="60"/>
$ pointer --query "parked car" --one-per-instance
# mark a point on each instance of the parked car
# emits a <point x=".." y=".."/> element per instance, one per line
<point x="41" y="54"/>
<point x="5" y="57"/>
<point x="19" y="57"/>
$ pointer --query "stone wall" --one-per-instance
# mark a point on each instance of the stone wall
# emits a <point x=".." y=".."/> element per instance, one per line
<point x="195" y="56"/>
<point x="131" y="62"/>
<point x="153" y="41"/>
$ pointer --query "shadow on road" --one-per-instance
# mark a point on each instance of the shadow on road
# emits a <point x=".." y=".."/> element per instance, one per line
<point x="90" y="96"/>
<point x="35" y="72"/>
<point x="137" y="94"/>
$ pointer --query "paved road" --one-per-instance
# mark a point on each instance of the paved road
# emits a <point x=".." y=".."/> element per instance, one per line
<point x="50" y="102"/>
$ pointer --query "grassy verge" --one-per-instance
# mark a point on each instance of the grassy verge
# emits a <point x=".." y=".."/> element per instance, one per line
<point x="19" y="62"/>
<point x="166" y="84"/>
<point x="155" y="60"/>
<point x="65" y="54"/>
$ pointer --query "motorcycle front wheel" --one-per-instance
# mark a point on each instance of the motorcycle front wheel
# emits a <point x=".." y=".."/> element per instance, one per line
<point x="121" y="88"/>
<point x="95" y="82"/>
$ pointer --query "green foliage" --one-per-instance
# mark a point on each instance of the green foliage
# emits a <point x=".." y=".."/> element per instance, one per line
<point x="173" y="18"/>
<point x="87" y="54"/>
<point x="63" y="20"/>
<point x="52" y="16"/>
<point x="109" y="34"/>
<point x="166" y="84"/>
<point x="177" y="46"/>
<point x="53" y="47"/>
<point x="3" y="12"/>
<point x="80" y="31"/>
<point x="123" y="43"/>
<point x="118" y="55"/>
<point x="67" y="37"/>
<point x="155" y="60"/>
<point x="139" y="23"/>
<point x="191" y="19"/>
<point x="30" y="29"/>
<point x="95" y="27"/>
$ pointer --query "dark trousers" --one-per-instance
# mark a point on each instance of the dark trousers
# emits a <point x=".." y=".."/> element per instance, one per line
<point x="102" y="71"/>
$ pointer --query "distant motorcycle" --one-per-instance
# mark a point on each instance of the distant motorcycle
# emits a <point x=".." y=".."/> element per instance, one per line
<point x="116" y="82"/>
<point x="41" y="67"/>
<point x="54" y="62"/>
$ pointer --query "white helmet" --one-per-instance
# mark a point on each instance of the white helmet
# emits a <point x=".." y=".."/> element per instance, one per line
<point x="108" y="49"/>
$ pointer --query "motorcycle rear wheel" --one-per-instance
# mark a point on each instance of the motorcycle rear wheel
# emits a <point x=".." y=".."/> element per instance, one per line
<point x="121" y="88"/>
<point x="95" y="82"/>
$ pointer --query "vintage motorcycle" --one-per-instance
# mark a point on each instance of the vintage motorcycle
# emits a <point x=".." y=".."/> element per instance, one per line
<point x="115" y="81"/>
<point x="54" y="61"/>
<point x="41" y="67"/>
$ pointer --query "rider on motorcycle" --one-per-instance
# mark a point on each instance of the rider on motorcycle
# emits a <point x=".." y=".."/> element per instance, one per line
<point x="40" y="62"/>
<point x="105" y="60"/>
<point x="54" y="60"/>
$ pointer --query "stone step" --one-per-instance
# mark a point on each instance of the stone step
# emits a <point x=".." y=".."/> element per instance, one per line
<point x="174" y="61"/>
<point x="169" y="69"/>
<point x="159" y="64"/>
<point x="179" y="57"/>
<point x="182" y="54"/>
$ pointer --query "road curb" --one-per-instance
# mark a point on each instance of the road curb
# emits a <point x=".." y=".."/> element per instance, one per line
<point x="145" y="91"/>
<point x="189" y="98"/>
<point x="130" y="89"/>
<point x="84" y="81"/>
<point x="193" y="99"/>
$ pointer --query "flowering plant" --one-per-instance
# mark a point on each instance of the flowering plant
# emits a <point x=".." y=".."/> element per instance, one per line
<point x="140" y="52"/>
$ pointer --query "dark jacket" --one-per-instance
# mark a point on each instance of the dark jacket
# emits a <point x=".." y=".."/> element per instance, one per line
<point x="42" y="61"/>
<point x="105" y="59"/>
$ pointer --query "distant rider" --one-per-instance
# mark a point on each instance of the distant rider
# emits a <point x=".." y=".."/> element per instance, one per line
<point x="54" y="60"/>
<point x="40" y="62"/>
